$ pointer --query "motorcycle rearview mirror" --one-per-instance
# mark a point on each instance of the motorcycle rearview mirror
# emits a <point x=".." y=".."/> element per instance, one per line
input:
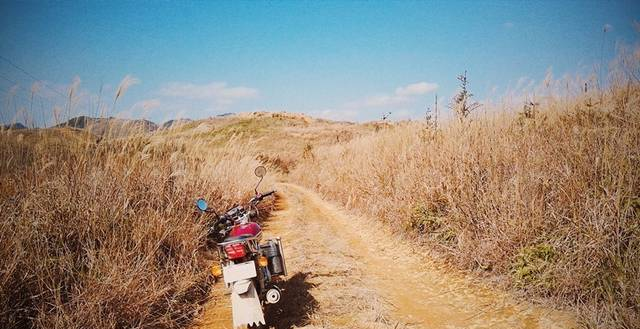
<point x="260" y="172"/>
<point x="202" y="204"/>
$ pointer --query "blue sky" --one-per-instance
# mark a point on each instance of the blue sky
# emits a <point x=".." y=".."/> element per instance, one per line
<point x="342" y="60"/>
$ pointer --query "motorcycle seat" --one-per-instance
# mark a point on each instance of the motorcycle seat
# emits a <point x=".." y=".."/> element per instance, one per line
<point x="239" y="237"/>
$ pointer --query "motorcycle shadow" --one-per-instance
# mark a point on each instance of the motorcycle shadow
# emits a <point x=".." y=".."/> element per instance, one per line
<point x="295" y="306"/>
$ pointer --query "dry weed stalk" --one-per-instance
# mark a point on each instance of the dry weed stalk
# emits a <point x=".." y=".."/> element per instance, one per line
<point x="549" y="202"/>
<point x="105" y="235"/>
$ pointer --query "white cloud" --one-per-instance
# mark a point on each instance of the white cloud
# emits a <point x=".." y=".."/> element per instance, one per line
<point x="149" y="104"/>
<point x="507" y="25"/>
<point x="124" y="115"/>
<point x="218" y="92"/>
<point x="419" y="88"/>
<point x="142" y="108"/>
<point x="380" y="101"/>
<point x="401" y="96"/>
<point x="402" y="114"/>
<point x="335" y="114"/>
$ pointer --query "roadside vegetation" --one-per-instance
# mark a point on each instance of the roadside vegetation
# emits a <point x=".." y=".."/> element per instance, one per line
<point x="545" y="200"/>
<point x="105" y="234"/>
<point x="100" y="230"/>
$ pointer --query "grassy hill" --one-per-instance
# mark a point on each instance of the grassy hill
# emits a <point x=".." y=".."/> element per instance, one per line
<point x="278" y="139"/>
<point x="547" y="204"/>
<point x="544" y="204"/>
<point x="113" y="127"/>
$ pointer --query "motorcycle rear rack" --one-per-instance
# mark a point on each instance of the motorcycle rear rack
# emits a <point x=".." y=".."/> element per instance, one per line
<point x="252" y="242"/>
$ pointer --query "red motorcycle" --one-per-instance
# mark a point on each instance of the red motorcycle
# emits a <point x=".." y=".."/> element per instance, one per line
<point x="248" y="265"/>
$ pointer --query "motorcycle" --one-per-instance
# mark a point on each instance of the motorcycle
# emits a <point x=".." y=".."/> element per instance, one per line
<point x="249" y="267"/>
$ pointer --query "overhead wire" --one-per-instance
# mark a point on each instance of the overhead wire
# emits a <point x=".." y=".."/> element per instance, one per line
<point x="18" y="67"/>
<point x="26" y="99"/>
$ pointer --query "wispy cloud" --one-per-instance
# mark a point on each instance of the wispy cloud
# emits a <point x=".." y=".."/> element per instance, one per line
<point x="401" y="96"/>
<point x="335" y="114"/>
<point x="414" y="89"/>
<point x="149" y="104"/>
<point x="400" y="101"/>
<point x="219" y="92"/>
<point x="508" y="25"/>
<point x="140" y="109"/>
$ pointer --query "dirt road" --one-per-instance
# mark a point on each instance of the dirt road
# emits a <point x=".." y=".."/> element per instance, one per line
<point x="347" y="272"/>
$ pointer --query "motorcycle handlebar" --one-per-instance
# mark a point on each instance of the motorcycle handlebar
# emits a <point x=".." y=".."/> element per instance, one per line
<point x="259" y="197"/>
<point x="262" y="196"/>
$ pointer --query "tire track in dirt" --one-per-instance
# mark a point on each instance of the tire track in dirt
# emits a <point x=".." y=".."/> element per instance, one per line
<point x="347" y="272"/>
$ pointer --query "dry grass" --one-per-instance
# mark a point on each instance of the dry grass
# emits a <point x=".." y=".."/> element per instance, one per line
<point x="550" y="203"/>
<point x="104" y="235"/>
<point x="102" y="232"/>
<point x="278" y="140"/>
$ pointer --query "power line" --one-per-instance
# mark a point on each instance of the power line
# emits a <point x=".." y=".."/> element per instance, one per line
<point x="9" y="80"/>
<point x="31" y="75"/>
<point x="15" y="94"/>
<point x="29" y="100"/>
<point x="25" y="98"/>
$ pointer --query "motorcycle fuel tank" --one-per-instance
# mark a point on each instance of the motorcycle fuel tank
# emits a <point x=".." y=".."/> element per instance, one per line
<point x="251" y="228"/>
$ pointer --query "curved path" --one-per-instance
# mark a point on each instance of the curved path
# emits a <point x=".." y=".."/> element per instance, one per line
<point x="348" y="272"/>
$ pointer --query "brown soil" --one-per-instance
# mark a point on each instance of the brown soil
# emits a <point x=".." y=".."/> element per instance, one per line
<point x="347" y="272"/>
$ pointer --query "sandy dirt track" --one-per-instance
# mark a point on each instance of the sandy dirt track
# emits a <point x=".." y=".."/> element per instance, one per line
<point x="348" y="272"/>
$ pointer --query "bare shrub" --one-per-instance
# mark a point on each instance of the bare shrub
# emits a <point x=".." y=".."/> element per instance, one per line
<point x="461" y="103"/>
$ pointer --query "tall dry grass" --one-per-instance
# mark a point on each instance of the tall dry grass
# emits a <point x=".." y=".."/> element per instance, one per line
<point x="104" y="235"/>
<point x="549" y="202"/>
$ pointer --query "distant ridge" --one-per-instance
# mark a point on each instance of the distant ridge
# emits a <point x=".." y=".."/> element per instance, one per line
<point x="14" y="126"/>
<point x="116" y="127"/>
<point x="174" y="123"/>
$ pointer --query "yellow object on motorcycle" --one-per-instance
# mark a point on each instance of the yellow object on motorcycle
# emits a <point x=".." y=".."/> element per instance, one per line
<point x="216" y="270"/>
<point x="263" y="262"/>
